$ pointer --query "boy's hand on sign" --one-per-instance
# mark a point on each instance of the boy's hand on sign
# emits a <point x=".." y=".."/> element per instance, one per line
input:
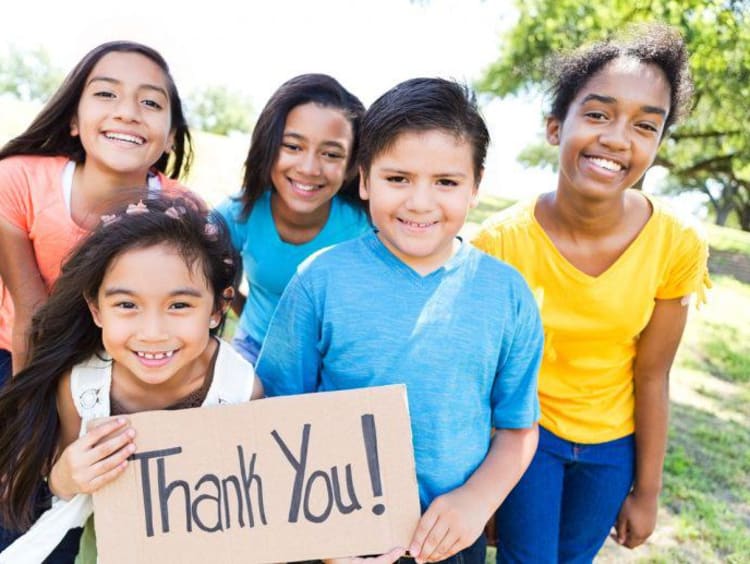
<point x="386" y="558"/>
<point x="450" y="524"/>
<point x="93" y="460"/>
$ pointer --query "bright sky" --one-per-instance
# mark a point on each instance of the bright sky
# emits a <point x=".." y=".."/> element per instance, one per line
<point x="254" y="46"/>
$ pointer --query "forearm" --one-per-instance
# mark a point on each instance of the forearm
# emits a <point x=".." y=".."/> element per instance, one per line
<point x="509" y="455"/>
<point x="651" y="421"/>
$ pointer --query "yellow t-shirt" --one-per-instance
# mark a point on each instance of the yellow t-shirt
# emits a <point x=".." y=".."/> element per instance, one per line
<point x="592" y="324"/>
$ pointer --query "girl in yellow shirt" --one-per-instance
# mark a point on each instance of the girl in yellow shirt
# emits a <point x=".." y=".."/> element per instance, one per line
<point x="613" y="271"/>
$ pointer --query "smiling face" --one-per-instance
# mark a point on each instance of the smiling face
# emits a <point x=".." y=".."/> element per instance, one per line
<point x="311" y="164"/>
<point x="123" y="116"/>
<point x="611" y="132"/>
<point x="420" y="191"/>
<point x="155" y="315"/>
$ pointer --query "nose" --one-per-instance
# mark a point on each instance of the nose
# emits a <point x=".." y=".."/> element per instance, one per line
<point x="421" y="197"/>
<point x="309" y="163"/>
<point x="128" y="109"/>
<point x="617" y="136"/>
<point x="152" y="328"/>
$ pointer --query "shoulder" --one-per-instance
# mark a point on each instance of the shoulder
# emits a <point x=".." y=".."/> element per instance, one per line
<point x="32" y="167"/>
<point x="332" y="259"/>
<point x="230" y="208"/>
<point x="677" y="227"/>
<point x="495" y="272"/>
<point x="513" y="221"/>
<point x="349" y="215"/>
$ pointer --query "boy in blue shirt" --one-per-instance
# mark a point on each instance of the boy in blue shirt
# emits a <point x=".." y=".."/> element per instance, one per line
<point x="412" y="303"/>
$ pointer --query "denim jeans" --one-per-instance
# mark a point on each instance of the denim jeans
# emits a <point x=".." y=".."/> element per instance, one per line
<point x="566" y="503"/>
<point x="248" y="347"/>
<point x="6" y="368"/>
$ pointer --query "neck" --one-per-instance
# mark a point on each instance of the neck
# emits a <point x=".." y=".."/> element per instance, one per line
<point x="296" y="227"/>
<point x="588" y="218"/>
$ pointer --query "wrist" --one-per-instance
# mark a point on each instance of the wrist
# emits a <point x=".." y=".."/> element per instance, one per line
<point x="55" y="486"/>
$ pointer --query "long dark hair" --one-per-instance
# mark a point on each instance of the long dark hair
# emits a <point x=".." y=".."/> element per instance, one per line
<point x="319" y="89"/>
<point x="63" y="332"/>
<point x="49" y="133"/>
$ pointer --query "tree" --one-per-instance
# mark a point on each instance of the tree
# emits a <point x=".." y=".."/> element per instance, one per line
<point x="29" y="75"/>
<point x="710" y="151"/>
<point x="219" y="110"/>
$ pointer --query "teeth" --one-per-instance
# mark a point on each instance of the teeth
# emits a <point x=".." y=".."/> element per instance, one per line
<point x="606" y="164"/>
<point x="305" y="187"/>
<point x="124" y="137"/>
<point x="155" y="356"/>
<point x="417" y="224"/>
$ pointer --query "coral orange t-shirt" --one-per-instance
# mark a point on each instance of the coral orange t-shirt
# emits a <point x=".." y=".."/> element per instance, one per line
<point x="32" y="199"/>
<point x="592" y="323"/>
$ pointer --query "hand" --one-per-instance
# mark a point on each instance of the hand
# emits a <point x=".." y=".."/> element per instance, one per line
<point x="452" y="522"/>
<point x="386" y="558"/>
<point x="93" y="460"/>
<point x="637" y="519"/>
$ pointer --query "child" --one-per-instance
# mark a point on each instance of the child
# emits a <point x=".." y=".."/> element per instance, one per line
<point x="411" y="303"/>
<point x="128" y="327"/>
<point x="112" y="124"/>
<point x="299" y="193"/>
<point x="614" y="270"/>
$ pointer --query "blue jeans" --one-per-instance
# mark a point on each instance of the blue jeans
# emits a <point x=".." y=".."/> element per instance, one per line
<point x="248" y="347"/>
<point x="6" y="368"/>
<point x="566" y="503"/>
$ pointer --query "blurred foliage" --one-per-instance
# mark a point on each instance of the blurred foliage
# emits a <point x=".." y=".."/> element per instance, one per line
<point x="220" y="110"/>
<point x="28" y="75"/>
<point x="710" y="151"/>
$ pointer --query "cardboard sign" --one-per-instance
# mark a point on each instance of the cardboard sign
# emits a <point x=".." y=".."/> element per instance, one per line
<point x="295" y="478"/>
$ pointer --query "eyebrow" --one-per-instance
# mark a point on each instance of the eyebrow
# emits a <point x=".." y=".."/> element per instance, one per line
<point x="438" y="175"/>
<point x="610" y="100"/>
<point x="114" y="81"/>
<point x="301" y="137"/>
<point x="115" y="290"/>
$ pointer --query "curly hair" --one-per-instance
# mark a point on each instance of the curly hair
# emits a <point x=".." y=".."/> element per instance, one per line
<point x="655" y="44"/>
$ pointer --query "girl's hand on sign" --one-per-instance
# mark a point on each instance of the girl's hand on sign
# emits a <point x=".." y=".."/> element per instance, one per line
<point x="93" y="460"/>
<point x="386" y="558"/>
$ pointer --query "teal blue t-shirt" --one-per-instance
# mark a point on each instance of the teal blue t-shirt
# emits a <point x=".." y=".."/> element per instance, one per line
<point x="466" y="340"/>
<point x="269" y="263"/>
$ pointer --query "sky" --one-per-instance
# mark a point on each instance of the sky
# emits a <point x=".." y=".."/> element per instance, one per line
<point x="253" y="47"/>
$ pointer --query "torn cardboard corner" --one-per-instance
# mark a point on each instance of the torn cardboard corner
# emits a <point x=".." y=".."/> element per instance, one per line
<point x="295" y="478"/>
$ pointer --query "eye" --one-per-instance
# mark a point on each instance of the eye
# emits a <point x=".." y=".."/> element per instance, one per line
<point x="180" y="305"/>
<point x="333" y="155"/>
<point x="125" y="305"/>
<point x="104" y="94"/>
<point x="446" y="182"/>
<point x="596" y="115"/>
<point x="152" y="104"/>
<point x="397" y="179"/>
<point x="291" y="147"/>
<point x="650" y="127"/>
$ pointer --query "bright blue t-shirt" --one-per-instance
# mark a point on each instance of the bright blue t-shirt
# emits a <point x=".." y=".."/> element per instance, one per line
<point x="269" y="263"/>
<point x="466" y="340"/>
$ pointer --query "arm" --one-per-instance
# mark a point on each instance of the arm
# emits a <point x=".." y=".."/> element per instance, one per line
<point x="93" y="460"/>
<point x="656" y="350"/>
<point x="455" y="520"/>
<point x="20" y="273"/>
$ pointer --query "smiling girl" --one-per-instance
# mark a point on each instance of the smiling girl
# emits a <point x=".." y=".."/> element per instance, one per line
<point x="114" y="123"/>
<point x="299" y="193"/>
<point x="613" y="270"/>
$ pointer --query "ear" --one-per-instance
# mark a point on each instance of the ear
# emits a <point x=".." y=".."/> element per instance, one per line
<point x="553" y="130"/>
<point x="95" y="313"/>
<point x="169" y="145"/>
<point x="227" y="297"/>
<point x="363" y="191"/>
<point x="74" y="126"/>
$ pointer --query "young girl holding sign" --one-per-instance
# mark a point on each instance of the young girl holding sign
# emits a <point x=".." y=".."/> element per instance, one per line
<point x="115" y="122"/>
<point x="614" y="270"/>
<point x="129" y="327"/>
<point x="299" y="193"/>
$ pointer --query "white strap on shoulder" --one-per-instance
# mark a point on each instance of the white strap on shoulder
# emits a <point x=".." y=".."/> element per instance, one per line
<point x="90" y="383"/>
<point x="233" y="378"/>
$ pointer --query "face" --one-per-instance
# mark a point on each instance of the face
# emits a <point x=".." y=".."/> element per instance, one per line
<point x="123" y="116"/>
<point x="155" y="315"/>
<point x="420" y="191"/>
<point x="612" y="130"/>
<point x="311" y="164"/>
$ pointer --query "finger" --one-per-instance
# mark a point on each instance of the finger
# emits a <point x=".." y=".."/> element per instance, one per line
<point x="457" y="547"/>
<point x="621" y="528"/>
<point x="110" y="446"/>
<point x="440" y="552"/>
<point x="426" y="522"/>
<point x="103" y="479"/>
<point x="96" y="434"/>
<point x="388" y="557"/>
<point x="433" y="540"/>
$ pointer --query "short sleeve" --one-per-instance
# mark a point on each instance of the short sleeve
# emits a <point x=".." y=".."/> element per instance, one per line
<point x="515" y="402"/>
<point x="687" y="272"/>
<point x="15" y="194"/>
<point x="488" y="239"/>
<point x="231" y="211"/>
